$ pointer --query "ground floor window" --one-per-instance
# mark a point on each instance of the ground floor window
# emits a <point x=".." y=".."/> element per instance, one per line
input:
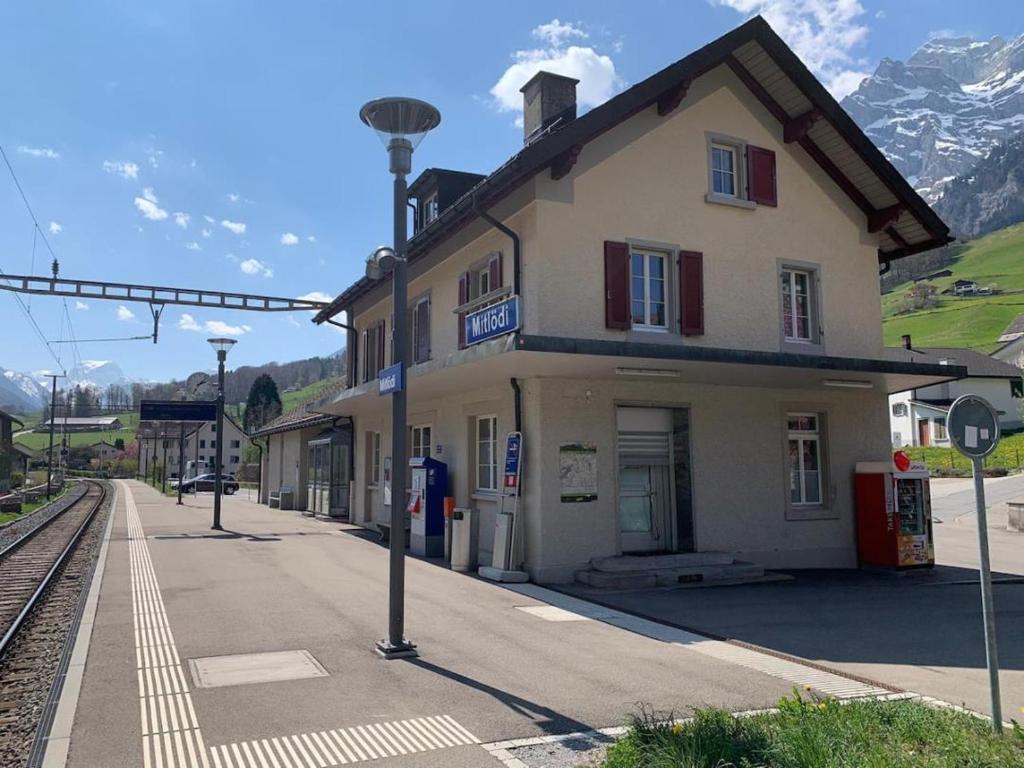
<point x="804" y="442"/>
<point x="421" y="441"/>
<point x="939" y="427"/>
<point x="486" y="453"/>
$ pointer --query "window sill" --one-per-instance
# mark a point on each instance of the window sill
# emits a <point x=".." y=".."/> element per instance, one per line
<point x="735" y="202"/>
<point x="803" y="347"/>
<point x="484" y="495"/>
<point x="811" y="513"/>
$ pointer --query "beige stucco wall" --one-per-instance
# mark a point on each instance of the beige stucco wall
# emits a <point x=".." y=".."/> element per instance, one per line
<point x="738" y="466"/>
<point x="646" y="179"/>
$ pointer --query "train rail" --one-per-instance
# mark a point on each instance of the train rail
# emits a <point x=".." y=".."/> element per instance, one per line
<point x="29" y="564"/>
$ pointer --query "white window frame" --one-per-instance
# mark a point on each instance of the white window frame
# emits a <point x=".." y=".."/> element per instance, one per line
<point x="899" y="409"/>
<point x="738" y="148"/>
<point x="817" y="435"/>
<point x="416" y="443"/>
<point x="790" y="279"/>
<point x="491" y="467"/>
<point x="815" y="344"/>
<point x="667" y="261"/>
<point x="940" y="433"/>
<point x="720" y="147"/>
<point x="430" y="211"/>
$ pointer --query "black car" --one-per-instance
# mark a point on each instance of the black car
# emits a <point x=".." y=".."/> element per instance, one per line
<point x="228" y="483"/>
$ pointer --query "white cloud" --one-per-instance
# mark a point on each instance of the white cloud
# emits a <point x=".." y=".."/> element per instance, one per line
<point x="825" y="34"/>
<point x="193" y="246"/>
<point x="880" y="14"/>
<point x="596" y="72"/>
<point x="188" y="323"/>
<point x="292" y="321"/>
<point x="209" y="219"/>
<point x="237" y="227"/>
<point x="556" y="33"/>
<point x="124" y="169"/>
<point x="289" y="238"/>
<point x="223" y="329"/>
<point x="154" y="156"/>
<point x="148" y="194"/>
<point x="55" y="228"/>
<point x="49" y="154"/>
<point x="231" y="257"/>
<point x="182" y="219"/>
<point x="125" y="314"/>
<point x="149" y="208"/>
<point x="311" y="238"/>
<point x="81" y="306"/>
<point x="206" y="232"/>
<point x="316" y="296"/>
<point x="255" y="267"/>
<point x="234" y="198"/>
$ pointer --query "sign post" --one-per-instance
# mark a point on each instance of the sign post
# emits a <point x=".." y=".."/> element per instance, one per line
<point x="974" y="431"/>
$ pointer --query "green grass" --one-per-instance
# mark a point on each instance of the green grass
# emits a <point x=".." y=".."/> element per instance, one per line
<point x="995" y="260"/>
<point x="290" y="400"/>
<point x="40" y="441"/>
<point x="811" y="733"/>
<point x="1008" y="455"/>
<point x="6" y="517"/>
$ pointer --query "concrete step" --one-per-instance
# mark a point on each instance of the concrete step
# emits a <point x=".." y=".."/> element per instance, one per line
<point x="657" y="562"/>
<point x="718" y="570"/>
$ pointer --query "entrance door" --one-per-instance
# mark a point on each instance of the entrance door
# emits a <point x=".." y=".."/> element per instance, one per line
<point x="645" y="479"/>
<point x="924" y="433"/>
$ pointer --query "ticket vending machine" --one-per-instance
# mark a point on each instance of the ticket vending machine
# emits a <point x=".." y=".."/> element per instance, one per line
<point x="426" y="506"/>
<point x="894" y="516"/>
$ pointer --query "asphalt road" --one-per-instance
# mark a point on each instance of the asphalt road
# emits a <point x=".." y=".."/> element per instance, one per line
<point x="952" y="499"/>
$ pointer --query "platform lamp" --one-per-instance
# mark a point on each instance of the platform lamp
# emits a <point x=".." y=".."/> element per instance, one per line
<point x="401" y="124"/>
<point x="221" y="347"/>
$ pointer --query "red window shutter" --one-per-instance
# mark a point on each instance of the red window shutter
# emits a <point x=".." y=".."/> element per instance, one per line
<point x="616" y="286"/>
<point x="691" y="292"/>
<point x="495" y="267"/>
<point x="761" y="176"/>
<point x="366" y="349"/>
<point x="463" y="298"/>
<point x="423" y="331"/>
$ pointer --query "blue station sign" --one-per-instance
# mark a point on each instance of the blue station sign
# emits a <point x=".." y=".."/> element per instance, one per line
<point x="492" y="321"/>
<point x="389" y="380"/>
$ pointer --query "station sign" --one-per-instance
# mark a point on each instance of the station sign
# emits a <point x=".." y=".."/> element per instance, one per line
<point x="492" y="321"/>
<point x="178" y="410"/>
<point x="389" y="380"/>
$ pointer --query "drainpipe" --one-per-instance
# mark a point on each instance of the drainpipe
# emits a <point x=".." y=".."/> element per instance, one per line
<point x="353" y="353"/>
<point x="259" y="475"/>
<point x="518" y="403"/>
<point x="516" y="264"/>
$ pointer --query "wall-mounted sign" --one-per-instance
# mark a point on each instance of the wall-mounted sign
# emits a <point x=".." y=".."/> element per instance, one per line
<point x="389" y="379"/>
<point x="492" y="321"/>
<point x="513" y="454"/>
<point x="577" y="472"/>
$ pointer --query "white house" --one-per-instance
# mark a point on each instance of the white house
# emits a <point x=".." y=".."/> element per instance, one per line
<point x="917" y="417"/>
<point x="200" y="448"/>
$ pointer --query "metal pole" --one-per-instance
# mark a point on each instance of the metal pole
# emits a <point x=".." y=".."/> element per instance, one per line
<point x="163" y="470"/>
<point x="987" y="610"/>
<point x="53" y="418"/>
<point x="181" y="457"/>
<point x="397" y="646"/>
<point x="219" y="453"/>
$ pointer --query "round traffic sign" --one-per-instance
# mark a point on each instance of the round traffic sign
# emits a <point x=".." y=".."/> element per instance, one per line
<point x="973" y="426"/>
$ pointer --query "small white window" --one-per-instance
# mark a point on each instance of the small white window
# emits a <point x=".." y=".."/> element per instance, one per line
<point x="798" y="322"/>
<point x="939" y="429"/>
<point x="804" y="441"/>
<point x="421" y="441"/>
<point x="430" y="209"/>
<point x="486" y="453"/>
<point x="899" y="409"/>
<point x="648" y="289"/>
<point x="724" y="175"/>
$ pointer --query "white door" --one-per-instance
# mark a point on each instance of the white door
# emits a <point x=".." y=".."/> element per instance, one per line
<point x="644" y="479"/>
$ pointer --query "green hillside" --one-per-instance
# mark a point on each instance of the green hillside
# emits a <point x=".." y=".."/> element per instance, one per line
<point x="292" y="399"/>
<point x="38" y="441"/>
<point x="996" y="260"/>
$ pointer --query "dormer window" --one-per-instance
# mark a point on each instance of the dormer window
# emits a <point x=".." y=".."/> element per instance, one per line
<point x="429" y="212"/>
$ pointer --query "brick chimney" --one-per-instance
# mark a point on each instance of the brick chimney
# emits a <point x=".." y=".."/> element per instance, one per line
<point x="547" y="98"/>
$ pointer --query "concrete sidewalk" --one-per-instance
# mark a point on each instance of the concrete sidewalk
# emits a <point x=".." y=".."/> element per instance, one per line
<point x="175" y="591"/>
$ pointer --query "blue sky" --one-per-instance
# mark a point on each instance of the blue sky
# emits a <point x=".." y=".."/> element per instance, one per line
<point x="218" y="145"/>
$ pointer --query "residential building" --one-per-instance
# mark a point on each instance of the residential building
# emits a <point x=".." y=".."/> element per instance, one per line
<point x="200" y="449"/>
<point x="675" y="299"/>
<point x="309" y="453"/>
<point x="104" y="452"/>
<point x="82" y="424"/>
<point x="9" y="458"/>
<point x="918" y="416"/>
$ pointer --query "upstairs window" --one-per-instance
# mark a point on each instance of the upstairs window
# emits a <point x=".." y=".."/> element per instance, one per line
<point x="429" y="212"/>
<point x="373" y="351"/>
<point x="799" y="296"/>
<point x="648" y="278"/>
<point x="724" y="177"/>
<point x="419" y="316"/>
<point x="899" y="409"/>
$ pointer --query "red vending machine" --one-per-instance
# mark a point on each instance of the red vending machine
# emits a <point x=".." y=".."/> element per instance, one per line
<point x="894" y="516"/>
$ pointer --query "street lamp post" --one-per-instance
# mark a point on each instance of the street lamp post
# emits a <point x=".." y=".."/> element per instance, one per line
<point x="221" y="346"/>
<point x="401" y="124"/>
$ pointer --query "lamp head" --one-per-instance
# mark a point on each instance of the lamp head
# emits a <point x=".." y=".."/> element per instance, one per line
<point x="400" y="118"/>
<point x="380" y="262"/>
<point x="221" y="344"/>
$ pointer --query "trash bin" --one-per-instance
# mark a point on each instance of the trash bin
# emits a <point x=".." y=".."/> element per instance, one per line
<point x="463" y="554"/>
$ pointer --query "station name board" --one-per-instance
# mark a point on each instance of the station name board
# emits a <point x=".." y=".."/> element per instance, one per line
<point x="492" y="321"/>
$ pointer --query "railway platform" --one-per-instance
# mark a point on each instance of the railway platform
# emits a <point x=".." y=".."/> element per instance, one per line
<point x="253" y="647"/>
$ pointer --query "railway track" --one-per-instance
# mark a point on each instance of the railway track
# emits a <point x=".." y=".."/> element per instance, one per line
<point x="29" y="563"/>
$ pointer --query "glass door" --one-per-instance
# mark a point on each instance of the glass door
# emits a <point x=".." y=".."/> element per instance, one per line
<point x="910" y="507"/>
<point x="642" y="507"/>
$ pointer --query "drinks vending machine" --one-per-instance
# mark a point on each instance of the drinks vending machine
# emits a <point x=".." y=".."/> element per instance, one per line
<point x="894" y="516"/>
<point x="426" y="506"/>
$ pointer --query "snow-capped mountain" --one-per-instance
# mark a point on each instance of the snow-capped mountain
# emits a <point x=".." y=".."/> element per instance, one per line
<point x="20" y="392"/>
<point x="941" y="112"/>
<point x="98" y="374"/>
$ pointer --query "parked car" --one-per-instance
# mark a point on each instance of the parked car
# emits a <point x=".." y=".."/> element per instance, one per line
<point x="205" y="483"/>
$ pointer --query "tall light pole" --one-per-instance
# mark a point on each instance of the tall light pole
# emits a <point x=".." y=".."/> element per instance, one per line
<point x="401" y="124"/>
<point x="53" y="420"/>
<point x="221" y="346"/>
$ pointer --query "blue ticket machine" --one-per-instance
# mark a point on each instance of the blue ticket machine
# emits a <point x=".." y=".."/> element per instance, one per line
<point x="426" y="506"/>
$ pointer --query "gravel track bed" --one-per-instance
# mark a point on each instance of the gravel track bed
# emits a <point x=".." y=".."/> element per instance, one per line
<point x="30" y="666"/>
<point x="18" y="527"/>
